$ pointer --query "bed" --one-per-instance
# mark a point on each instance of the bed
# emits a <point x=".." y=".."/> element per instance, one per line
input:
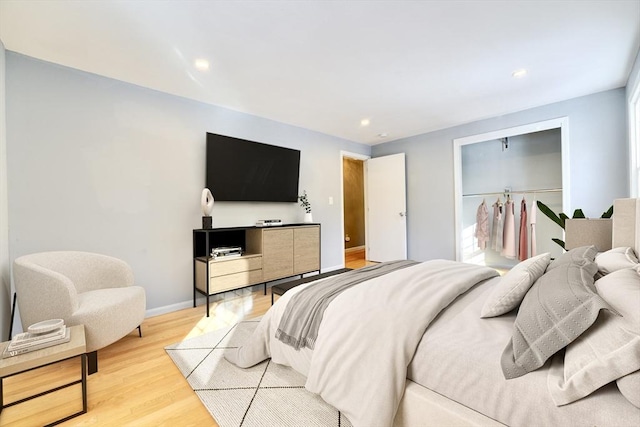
<point x="416" y="351"/>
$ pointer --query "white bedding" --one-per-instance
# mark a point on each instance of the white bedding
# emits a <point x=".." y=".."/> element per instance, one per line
<point x="388" y="314"/>
<point x="459" y="357"/>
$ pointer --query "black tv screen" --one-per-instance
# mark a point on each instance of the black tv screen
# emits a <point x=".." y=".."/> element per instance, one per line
<point x="245" y="171"/>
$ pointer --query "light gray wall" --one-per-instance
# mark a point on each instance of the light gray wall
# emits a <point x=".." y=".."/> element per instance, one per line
<point x="598" y="151"/>
<point x="5" y="269"/>
<point x="99" y="165"/>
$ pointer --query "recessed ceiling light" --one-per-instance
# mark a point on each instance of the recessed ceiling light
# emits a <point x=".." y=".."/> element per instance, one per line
<point x="519" y="73"/>
<point x="365" y="122"/>
<point x="202" y="64"/>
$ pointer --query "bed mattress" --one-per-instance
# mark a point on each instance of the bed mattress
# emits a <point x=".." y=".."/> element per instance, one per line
<point x="459" y="358"/>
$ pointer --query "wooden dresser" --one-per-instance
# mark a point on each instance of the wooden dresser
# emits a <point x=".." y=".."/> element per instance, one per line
<point x="269" y="253"/>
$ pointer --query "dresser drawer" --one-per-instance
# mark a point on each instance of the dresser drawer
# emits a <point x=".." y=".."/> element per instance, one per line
<point x="222" y="267"/>
<point x="234" y="281"/>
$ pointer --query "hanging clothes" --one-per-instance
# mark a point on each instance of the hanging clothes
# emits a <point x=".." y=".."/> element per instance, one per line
<point x="498" y="224"/>
<point x="532" y="221"/>
<point x="482" y="225"/>
<point x="509" y="234"/>
<point x="523" y="247"/>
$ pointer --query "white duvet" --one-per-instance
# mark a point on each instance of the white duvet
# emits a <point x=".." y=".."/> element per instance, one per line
<point x="367" y="337"/>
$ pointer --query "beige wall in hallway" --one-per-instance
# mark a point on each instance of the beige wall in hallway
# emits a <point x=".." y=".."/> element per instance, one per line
<point x="353" y="171"/>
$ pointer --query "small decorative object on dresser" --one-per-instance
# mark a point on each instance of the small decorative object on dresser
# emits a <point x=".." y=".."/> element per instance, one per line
<point x="304" y="202"/>
<point x="206" y="200"/>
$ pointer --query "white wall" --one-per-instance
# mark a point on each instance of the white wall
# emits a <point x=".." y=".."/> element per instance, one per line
<point x="5" y="265"/>
<point x="634" y="76"/>
<point x="99" y="165"/>
<point x="598" y="170"/>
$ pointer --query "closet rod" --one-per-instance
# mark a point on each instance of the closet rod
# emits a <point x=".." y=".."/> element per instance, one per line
<point x="542" y="190"/>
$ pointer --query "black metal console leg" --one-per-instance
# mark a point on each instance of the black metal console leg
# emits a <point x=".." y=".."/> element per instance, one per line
<point x="140" y="330"/>
<point x="92" y="359"/>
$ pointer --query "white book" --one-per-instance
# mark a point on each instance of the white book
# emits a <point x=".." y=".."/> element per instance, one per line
<point x="60" y="340"/>
<point x="26" y="339"/>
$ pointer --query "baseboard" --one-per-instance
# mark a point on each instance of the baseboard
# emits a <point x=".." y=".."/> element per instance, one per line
<point x="355" y="249"/>
<point x="168" y="308"/>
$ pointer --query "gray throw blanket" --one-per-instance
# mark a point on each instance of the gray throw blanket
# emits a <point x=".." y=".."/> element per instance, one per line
<point x="300" y="322"/>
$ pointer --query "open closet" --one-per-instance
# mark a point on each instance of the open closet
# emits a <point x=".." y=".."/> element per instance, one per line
<point x="498" y="182"/>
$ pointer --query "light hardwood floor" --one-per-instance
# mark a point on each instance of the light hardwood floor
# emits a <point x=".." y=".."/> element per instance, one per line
<point x="356" y="258"/>
<point x="137" y="384"/>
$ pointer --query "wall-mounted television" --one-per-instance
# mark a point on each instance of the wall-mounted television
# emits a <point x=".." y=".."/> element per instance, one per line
<point x="245" y="171"/>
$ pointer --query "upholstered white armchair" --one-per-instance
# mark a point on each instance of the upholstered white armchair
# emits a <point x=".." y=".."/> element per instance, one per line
<point x="83" y="289"/>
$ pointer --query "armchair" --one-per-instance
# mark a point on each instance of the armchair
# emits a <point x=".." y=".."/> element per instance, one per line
<point x="83" y="289"/>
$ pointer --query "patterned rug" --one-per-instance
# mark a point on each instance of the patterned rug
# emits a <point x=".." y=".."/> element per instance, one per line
<point x="267" y="394"/>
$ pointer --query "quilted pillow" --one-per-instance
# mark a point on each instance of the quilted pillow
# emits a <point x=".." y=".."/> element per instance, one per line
<point x="558" y="308"/>
<point x="513" y="286"/>
<point x="579" y="256"/>
<point x="616" y="259"/>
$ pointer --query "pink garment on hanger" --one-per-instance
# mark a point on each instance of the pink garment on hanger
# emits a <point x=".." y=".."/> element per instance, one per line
<point x="523" y="248"/>
<point x="509" y="234"/>
<point x="482" y="225"/>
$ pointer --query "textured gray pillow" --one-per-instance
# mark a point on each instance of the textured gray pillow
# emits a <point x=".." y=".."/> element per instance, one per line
<point x="558" y="308"/>
<point x="579" y="256"/>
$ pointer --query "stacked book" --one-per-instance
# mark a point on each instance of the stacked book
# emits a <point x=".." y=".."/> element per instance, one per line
<point x="228" y="251"/>
<point x="268" y="222"/>
<point x="38" y="337"/>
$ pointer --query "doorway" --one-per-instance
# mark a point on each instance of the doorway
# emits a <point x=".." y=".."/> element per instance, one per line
<point x="353" y="210"/>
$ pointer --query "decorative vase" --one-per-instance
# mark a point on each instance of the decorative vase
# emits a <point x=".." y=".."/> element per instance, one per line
<point x="308" y="217"/>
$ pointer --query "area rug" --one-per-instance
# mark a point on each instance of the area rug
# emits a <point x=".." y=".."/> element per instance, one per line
<point x="267" y="394"/>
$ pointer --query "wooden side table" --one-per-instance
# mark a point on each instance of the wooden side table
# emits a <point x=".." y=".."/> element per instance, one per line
<point x="37" y="359"/>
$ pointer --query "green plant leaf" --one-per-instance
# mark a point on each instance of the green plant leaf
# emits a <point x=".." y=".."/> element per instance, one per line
<point x="550" y="214"/>
<point x="563" y="218"/>
<point x="559" y="242"/>
<point x="578" y="214"/>
<point x="608" y="213"/>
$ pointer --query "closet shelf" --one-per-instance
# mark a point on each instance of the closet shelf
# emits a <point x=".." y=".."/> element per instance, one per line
<point x="498" y="193"/>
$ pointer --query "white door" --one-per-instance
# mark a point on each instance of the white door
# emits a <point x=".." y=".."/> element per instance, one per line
<point x="386" y="208"/>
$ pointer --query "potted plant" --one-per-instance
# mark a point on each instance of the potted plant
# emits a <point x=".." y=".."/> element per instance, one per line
<point x="304" y="202"/>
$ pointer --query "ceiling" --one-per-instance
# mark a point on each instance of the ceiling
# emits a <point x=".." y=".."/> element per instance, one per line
<point x="409" y="67"/>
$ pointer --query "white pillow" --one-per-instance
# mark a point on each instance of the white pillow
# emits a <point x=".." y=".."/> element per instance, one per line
<point x="609" y="350"/>
<point x="630" y="388"/>
<point x="624" y="296"/>
<point x="621" y="289"/>
<point x="513" y="286"/>
<point x="616" y="259"/>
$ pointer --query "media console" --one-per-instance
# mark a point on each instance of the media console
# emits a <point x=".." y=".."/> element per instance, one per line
<point x="269" y="253"/>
